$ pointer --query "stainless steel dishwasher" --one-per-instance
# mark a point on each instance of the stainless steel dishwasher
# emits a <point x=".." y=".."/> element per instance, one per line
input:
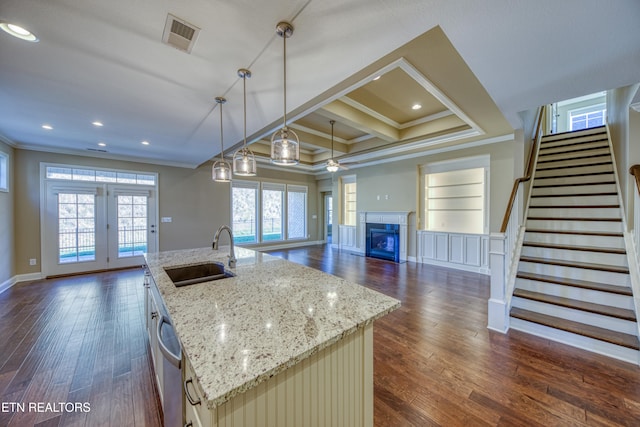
<point x="171" y="373"/>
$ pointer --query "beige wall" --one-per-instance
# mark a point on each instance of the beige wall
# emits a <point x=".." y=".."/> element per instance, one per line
<point x="7" y="236"/>
<point x="399" y="180"/>
<point x="196" y="205"/>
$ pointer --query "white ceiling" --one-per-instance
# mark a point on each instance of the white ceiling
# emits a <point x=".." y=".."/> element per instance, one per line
<point x="104" y="60"/>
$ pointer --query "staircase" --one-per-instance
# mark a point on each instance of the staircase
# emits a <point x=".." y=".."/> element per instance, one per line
<point x="572" y="283"/>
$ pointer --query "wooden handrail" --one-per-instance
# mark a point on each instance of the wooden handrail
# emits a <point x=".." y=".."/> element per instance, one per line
<point x="529" y="171"/>
<point x="635" y="171"/>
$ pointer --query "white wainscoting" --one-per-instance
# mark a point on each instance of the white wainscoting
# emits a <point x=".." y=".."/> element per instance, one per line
<point x="468" y="252"/>
<point x="348" y="237"/>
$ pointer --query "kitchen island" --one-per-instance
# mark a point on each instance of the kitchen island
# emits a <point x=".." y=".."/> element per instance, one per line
<point x="278" y="344"/>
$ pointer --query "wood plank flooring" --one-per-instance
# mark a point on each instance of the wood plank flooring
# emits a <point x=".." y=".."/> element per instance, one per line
<point x="76" y="340"/>
<point x="437" y="364"/>
<point x="82" y="339"/>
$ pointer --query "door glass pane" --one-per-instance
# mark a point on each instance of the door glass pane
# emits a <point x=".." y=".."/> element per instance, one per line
<point x="244" y="215"/>
<point x="271" y="215"/>
<point x="76" y="228"/>
<point x="132" y="225"/>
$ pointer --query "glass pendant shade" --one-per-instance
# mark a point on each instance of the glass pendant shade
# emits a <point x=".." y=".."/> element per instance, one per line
<point x="221" y="171"/>
<point x="244" y="161"/>
<point x="285" y="145"/>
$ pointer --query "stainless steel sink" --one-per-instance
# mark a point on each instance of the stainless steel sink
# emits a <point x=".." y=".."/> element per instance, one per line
<point x="198" y="273"/>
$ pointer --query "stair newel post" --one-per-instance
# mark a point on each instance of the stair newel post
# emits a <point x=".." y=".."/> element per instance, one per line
<point x="498" y="310"/>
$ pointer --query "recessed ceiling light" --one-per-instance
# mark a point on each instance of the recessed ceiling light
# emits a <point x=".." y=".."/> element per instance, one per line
<point x="102" y="144"/>
<point x="145" y="142"/>
<point x="416" y="106"/>
<point x="47" y="127"/>
<point x="18" y="31"/>
<point x="376" y="78"/>
<point x="97" y="124"/>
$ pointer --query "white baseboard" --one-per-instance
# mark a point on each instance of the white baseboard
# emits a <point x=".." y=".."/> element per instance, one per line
<point x="285" y="245"/>
<point x="19" y="278"/>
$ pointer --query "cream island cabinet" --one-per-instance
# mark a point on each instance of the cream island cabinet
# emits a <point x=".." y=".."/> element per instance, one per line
<point x="279" y="344"/>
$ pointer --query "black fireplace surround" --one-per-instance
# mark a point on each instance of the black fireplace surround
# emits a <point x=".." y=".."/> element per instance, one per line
<point x="383" y="241"/>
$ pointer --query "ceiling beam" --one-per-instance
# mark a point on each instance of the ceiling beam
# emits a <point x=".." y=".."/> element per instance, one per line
<point x="359" y="120"/>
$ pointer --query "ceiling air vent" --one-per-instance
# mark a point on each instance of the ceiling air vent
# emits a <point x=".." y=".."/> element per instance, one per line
<point x="179" y="33"/>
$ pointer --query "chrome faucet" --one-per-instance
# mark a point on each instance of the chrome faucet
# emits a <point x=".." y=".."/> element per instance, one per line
<point x="232" y="255"/>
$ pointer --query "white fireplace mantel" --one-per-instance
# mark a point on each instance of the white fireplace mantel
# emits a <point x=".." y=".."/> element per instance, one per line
<point x="400" y="218"/>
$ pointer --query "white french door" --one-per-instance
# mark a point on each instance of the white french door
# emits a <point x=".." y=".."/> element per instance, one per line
<point x="95" y="226"/>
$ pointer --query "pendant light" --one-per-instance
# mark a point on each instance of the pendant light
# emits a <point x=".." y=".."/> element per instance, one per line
<point x="244" y="161"/>
<point x="285" y="145"/>
<point x="332" y="165"/>
<point x="221" y="171"/>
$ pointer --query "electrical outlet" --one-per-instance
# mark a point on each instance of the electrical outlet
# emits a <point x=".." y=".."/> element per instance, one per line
<point x="33" y="261"/>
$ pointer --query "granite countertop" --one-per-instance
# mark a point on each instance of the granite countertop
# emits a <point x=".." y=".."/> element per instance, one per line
<point x="239" y="331"/>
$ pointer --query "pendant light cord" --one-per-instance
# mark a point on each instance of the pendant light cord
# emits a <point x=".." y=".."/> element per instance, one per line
<point x="221" y="136"/>
<point x="244" y="91"/>
<point x="284" y="37"/>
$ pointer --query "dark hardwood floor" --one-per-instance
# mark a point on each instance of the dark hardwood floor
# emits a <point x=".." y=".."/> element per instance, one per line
<point x="77" y="339"/>
<point x="437" y="364"/>
<point x="82" y="339"/>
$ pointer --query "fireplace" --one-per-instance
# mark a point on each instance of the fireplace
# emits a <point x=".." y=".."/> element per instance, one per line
<point x="383" y="241"/>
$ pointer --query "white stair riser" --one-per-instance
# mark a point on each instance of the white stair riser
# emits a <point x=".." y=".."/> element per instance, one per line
<point x="618" y="260"/>
<point x="574" y="212"/>
<point x="593" y="319"/>
<point x="563" y="139"/>
<point x="575" y="240"/>
<point x="575" y="190"/>
<point x="574" y="179"/>
<point x="590" y="132"/>
<point x="579" y="341"/>
<point x="577" y="200"/>
<point x="598" y="276"/>
<point x="579" y="294"/>
<point x="593" y="226"/>
<point x="599" y="151"/>
<point x="580" y="170"/>
<point x="572" y="163"/>
<point x="558" y="148"/>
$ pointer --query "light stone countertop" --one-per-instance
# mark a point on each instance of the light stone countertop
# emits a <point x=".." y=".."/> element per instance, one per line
<point x="239" y="331"/>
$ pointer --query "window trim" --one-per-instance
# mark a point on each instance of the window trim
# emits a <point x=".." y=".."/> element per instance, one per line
<point x="5" y="168"/>
<point x="292" y="188"/>
<point x="259" y="187"/>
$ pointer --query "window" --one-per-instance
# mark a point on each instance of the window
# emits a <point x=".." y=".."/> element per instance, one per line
<point x="272" y="211"/>
<point x="244" y="217"/>
<point x="132" y="225"/>
<point x="99" y="175"/>
<point x="4" y="171"/>
<point x="277" y="212"/>
<point x="587" y="120"/>
<point x="455" y="196"/>
<point x="296" y="212"/>
<point x="349" y="200"/>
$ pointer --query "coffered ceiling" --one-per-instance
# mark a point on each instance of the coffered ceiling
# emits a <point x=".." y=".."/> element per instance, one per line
<point x="473" y="66"/>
